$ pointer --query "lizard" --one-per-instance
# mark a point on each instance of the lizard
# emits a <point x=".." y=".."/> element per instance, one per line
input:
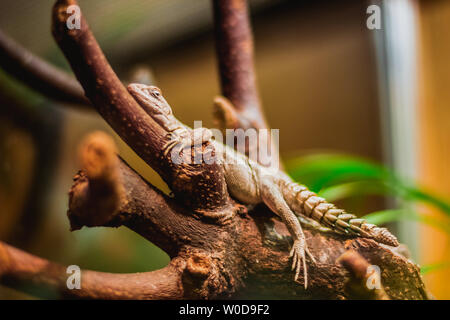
<point x="251" y="183"/>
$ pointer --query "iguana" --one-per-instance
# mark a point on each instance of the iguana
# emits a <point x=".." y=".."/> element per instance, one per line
<point x="251" y="183"/>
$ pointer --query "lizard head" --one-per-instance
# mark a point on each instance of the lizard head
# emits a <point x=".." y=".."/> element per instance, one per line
<point x="150" y="98"/>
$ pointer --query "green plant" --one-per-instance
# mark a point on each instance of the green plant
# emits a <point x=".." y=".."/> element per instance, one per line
<point x="338" y="176"/>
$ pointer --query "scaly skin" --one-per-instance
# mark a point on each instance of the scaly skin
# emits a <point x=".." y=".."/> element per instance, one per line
<point x="251" y="183"/>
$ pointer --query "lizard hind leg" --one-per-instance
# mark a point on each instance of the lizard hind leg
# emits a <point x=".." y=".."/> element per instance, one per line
<point x="273" y="198"/>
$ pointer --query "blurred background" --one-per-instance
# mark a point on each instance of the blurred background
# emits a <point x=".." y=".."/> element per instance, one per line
<point x="364" y="116"/>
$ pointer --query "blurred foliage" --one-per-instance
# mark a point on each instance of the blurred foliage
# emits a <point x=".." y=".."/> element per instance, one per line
<point x="338" y="176"/>
<point x="14" y="89"/>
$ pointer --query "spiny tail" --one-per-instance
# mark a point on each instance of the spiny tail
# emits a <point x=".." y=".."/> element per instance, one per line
<point x="305" y="202"/>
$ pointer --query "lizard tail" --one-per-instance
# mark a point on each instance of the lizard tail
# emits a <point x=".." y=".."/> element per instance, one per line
<point x="305" y="202"/>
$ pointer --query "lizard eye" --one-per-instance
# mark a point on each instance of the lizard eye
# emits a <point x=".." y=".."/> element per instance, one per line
<point x="156" y="93"/>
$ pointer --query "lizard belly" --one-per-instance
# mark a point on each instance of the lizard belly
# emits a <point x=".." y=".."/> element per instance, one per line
<point x="241" y="183"/>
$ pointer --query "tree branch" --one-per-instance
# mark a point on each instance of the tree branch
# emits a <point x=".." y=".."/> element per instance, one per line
<point x="191" y="183"/>
<point x="20" y="269"/>
<point x="107" y="192"/>
<point x="38" y="74"/>
<point x="234" y="45"/>
<point x="241" y="107"/>
<point x="221" y="263"/>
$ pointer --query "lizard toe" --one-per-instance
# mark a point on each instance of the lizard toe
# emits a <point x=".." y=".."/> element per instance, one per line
<point x="313" y="260"/>
<point x="299" y="259"/>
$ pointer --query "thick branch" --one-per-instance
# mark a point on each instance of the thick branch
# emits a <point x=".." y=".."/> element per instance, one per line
<point x="107" y="192"/>
<point x="38" y="74"/>
<point x="270" y="275"/>
<point x="130" y="121"/>
<point x="20" y="269"/>
<point x="233" y="268"/>
<point x="104" y="89"/>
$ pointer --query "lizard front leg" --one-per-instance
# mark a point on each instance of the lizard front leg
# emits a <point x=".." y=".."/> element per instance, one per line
<point x="174" y="140"/>
<point x="186" y="138"/>
<point x="272" y="197"/>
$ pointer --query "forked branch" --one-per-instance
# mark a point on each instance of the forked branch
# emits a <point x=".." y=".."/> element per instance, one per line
<point x="112" y="100"/>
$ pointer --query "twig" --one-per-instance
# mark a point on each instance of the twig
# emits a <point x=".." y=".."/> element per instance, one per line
<point x="38" y="74"/>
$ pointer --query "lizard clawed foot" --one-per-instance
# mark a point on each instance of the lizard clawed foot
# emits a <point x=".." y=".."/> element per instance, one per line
<point x="169" y="146"/>
<point x="299" y="248"/>
<point x="175" y="141"/>
<point x="197" y="137"/>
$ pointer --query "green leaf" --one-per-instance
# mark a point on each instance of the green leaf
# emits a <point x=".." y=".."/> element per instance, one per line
<point x="422" y="196"/>
<point x="318" y="171"/>
<point x="433" y="267"/>
<point x="385" y="216"/>
<point x="336" y="176"/>
<point x="354" y="189"/>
